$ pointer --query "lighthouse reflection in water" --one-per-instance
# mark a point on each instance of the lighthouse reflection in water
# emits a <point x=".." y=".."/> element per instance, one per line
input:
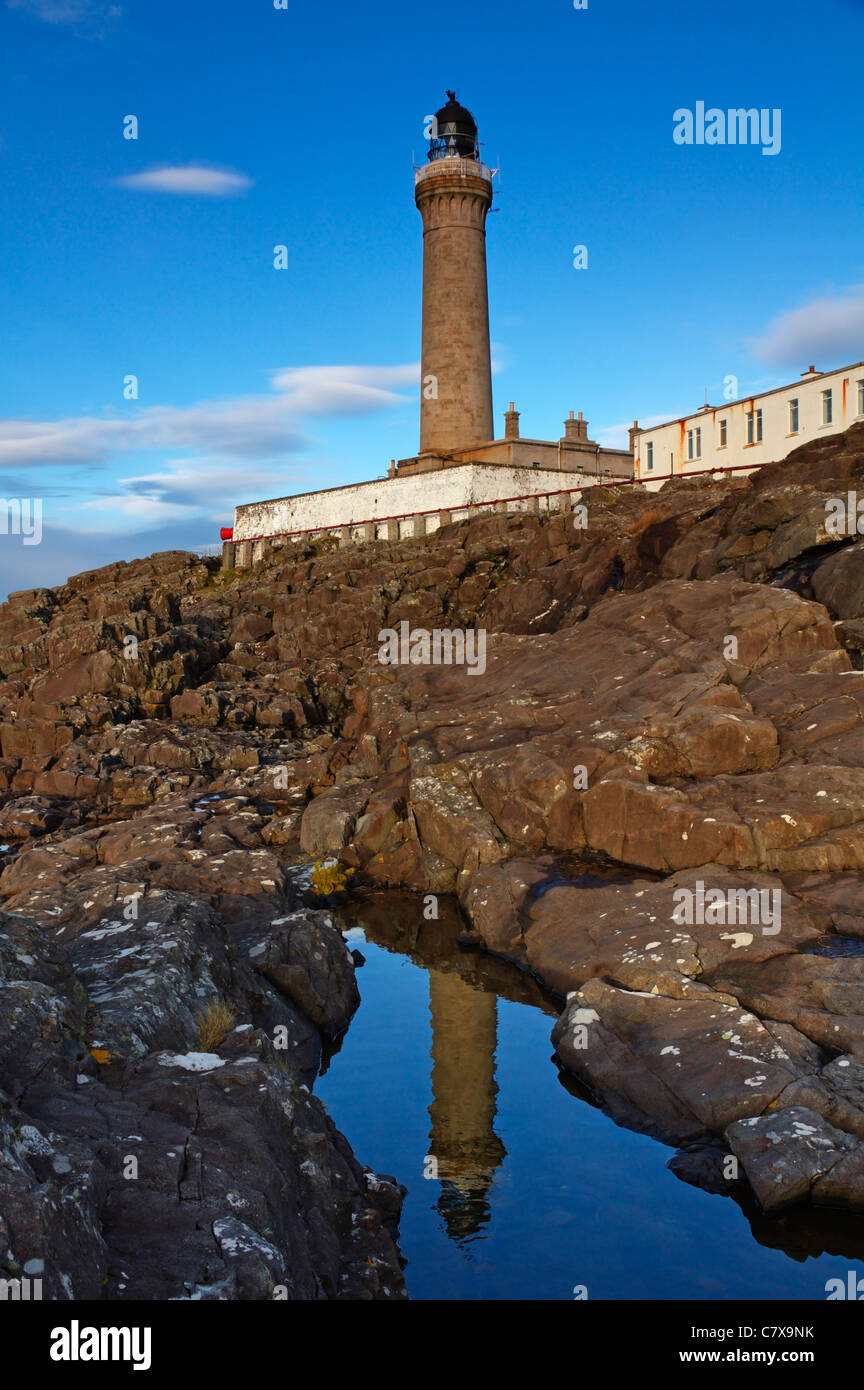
<point x="516" y="1187"/>
<point x="459" y="1157"/>
<point x="462" y="1140"/>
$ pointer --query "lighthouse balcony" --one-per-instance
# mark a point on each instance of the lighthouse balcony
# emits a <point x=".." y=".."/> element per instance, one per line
<point x="452" y="166"/>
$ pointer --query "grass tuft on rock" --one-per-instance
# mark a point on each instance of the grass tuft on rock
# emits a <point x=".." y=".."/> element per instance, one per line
<point x="214" y="1024"/>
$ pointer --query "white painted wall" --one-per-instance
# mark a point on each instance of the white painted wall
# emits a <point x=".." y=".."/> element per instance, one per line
<point x="450" y="489"/>
<point x="670" y="441"/>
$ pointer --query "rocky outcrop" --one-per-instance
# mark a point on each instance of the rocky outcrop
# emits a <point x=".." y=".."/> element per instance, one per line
<point x="670" y="711"/>
<point x="795" y="1154"/>
<point x="686" y="1065"/>
<point x="158" y="1138"/>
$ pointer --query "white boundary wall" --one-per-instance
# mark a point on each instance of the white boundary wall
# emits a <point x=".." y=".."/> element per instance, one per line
<point x="452" y="490"/>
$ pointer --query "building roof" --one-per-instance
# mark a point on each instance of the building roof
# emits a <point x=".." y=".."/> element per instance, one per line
<point x="754" y="396"/>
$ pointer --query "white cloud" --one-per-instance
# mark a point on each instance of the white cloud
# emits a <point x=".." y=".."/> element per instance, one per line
<point x="183" y="490"/>
<point x="827" y="332"/>
<point x="72" y="12"/>
<point x="188" y="180"/>
<point x="190" y="482"/>
<point x="251" y="426"/>
<point x="140" y="510"/>
<point x="258" y="427"/>
<point x="316" y="378"/>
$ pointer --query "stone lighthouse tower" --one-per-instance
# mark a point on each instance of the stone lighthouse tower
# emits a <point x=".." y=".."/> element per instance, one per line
<point x="453" y="192"/>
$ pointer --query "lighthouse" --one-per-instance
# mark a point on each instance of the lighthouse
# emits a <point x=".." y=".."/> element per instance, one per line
<point x="453" y="193"/>
<point x="474" y="468"/>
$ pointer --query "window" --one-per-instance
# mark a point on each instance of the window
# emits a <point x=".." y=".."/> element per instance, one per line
<point x="754" y="426"/>
<point x="694" y="444"/>
<point x="649" y="453"/>
<point x="793" y="415"/>
<point x="861" y="397"/>
<point x="827" y="407"/>
<point x="723" y="433"/>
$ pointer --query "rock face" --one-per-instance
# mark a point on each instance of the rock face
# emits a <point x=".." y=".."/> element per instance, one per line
<point x="147" y="1151"/>
<point x="307" y="961"/>
<point x="651" y="795"/>
<point x="690" y="1065"/>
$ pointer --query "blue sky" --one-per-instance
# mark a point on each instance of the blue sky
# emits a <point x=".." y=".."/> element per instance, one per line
<point x="260" y="127"/>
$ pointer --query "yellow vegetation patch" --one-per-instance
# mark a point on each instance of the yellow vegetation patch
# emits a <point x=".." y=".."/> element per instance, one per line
<point x="214" y="1023"/>
<point x="329" y="876"/>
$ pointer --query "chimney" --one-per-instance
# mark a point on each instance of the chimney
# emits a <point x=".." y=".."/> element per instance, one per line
<point x="632" y="432"/>
<point x="511" y="423"/>
<point x="391" y="471"/>
<point x="811" y="371"/>
<point x="576" y="429"/>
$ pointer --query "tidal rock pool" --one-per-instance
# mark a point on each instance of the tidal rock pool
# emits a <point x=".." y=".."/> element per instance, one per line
<point x="519" y="1187"/>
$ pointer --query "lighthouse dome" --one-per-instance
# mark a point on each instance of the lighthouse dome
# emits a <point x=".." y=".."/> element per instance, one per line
<point x="454" y="133"/>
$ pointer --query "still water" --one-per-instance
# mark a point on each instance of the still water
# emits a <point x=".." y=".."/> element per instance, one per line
<point x="538" y="1191"/>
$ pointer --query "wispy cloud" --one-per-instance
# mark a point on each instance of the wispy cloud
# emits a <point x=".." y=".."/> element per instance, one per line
<point x="826" y="332"/>
<point x="314" y="379"/>
<point x="249" y="427"/>
<point x="140" y="511"/>
<point x="188" y="181"/>
<point x="181" y="490"/>
<point x="87" y="13"/>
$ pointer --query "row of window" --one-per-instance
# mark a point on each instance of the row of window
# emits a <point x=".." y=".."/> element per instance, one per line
<point x="753" y="421"/>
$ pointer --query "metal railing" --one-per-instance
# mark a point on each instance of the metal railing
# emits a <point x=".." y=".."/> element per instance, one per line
<point x="452" y="164"/>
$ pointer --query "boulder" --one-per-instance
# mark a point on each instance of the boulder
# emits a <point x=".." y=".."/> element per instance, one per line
<point x="789" y="1153"/>
<point x="328" y="821"/>
<point x="305" y="957"/>
<point x="676" y="1067"/>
